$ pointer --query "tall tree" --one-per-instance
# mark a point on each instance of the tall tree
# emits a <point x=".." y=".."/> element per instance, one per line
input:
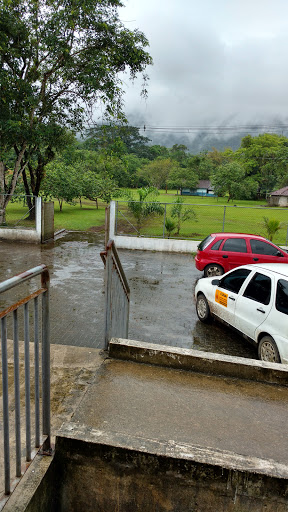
<point x="108" y="136"/>
<point x="58" y="60"/>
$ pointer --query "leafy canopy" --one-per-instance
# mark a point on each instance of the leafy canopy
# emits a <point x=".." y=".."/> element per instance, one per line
<point x="60" y="58"/>
<point x="58" y="61"/>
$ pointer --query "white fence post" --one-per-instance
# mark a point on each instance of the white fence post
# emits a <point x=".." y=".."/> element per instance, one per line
<point x="112" y="220"/>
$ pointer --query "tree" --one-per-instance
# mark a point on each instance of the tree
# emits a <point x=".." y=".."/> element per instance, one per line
<point x="62" y="182"/>
<point x="228" y="179"/>
<point x="107" y="136"/>
<point x="157" y="172"/>
<point x="96" y="187"/>
<point x="181" y="214"/>
<point x="183" y="177"/>
<point x="265" y="159"/>
<point x="34" y="172"/>
<point x="179" y="152"/>
<point x="58" y="60"/>
<point x="146" y="206"/>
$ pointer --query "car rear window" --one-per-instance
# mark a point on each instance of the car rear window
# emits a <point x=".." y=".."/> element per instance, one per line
<point x="282" y="296"/>
<point x="205" y="242"/>
<point x="215" y="247"/>
<point x="235" y="245"/>
<point x="259" y="289"/>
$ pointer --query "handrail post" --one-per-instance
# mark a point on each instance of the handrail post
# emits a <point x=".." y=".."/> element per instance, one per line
<point x="27" y="382"/>
<point x="6" y="446"/>
<point x="46" y="360"/>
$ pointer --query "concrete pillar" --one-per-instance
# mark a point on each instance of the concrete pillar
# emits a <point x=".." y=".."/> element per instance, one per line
<point x="47" y="232"/>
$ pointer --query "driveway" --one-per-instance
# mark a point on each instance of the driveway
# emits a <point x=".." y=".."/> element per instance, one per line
<point x="162" y="308"/>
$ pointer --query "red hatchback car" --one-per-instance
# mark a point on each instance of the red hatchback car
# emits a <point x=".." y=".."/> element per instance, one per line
<point x="220" y="252"/>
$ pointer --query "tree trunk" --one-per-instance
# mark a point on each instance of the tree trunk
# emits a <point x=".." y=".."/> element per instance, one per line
<point x="2" y="210"/>
<point x="30" y="200"/>
<point x="5" y="192"/>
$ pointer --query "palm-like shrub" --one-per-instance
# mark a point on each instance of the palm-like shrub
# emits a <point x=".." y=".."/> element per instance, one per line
<point x="272" y="226"/>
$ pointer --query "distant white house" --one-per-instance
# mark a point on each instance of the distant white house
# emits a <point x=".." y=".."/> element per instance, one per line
<point x="204" y="188"/>
<point x="279" y="197"/>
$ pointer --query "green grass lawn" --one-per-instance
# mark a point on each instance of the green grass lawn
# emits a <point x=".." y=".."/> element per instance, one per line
<point x="209" y="212"/>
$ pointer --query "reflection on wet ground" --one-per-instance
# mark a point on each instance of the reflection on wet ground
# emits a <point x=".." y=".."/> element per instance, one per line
<point x="162" y="308"/>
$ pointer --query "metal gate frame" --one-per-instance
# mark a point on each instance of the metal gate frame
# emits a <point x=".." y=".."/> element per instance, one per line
<point x="117" y="295"/>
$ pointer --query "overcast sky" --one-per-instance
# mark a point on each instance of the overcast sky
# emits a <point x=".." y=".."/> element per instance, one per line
<point x="215" y="61"/>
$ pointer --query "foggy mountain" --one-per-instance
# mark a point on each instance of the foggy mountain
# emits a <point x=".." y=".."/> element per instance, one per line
<point x="201" y="141"/>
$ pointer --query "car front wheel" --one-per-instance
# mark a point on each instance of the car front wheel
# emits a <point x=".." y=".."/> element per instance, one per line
<point x="268" y="351"/>
<point x="213" y="270"/>
<point x="202" y="308"/>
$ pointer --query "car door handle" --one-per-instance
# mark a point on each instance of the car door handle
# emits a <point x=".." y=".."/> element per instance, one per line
<point x="255" y="259"/>
<point x="231" y="298"/>
<point x="260" y="310"/>
<point x="225" y="256"/>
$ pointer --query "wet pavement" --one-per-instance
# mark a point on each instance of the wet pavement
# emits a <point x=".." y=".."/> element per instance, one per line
<point x="236" y="416"/>
<point x="162" y="308"/>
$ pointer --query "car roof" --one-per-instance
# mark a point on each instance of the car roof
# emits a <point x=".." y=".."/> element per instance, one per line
<point x="274" y="268"/>
<point x="239" y="235"/>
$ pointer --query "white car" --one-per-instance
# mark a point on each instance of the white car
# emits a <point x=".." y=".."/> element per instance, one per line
<point x="253" y="299"/>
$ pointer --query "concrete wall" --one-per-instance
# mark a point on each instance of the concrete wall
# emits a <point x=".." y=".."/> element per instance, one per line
<point x="25" y="235"/>
<point x="148" y="244"/>
<point x="91" y="475"/>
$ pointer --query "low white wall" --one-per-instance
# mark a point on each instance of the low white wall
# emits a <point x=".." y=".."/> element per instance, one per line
<point x="26" y="235"/>
<point x="23" y="235"/>
<point x="155" y="244"/>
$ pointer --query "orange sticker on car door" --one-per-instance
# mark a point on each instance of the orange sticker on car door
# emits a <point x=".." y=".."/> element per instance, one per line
<point x="221" y="298"/>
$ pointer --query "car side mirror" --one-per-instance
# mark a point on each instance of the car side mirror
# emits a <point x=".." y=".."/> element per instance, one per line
<point x="279" y="253"/>
<point x="215" y="282"/>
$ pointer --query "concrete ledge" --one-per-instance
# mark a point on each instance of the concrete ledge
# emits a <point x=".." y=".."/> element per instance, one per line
<point x="198" y="361"/>
<point x="169" y="448"/>
<point x="20" y="499"/>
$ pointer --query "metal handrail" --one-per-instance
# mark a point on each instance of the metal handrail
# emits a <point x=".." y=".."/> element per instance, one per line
<point x="44" y="291"/>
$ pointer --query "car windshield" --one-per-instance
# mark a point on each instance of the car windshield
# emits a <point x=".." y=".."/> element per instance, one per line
<point x="205" y="242"/>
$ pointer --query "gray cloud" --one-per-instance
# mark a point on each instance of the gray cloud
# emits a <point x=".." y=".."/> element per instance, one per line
<point x="213" y="61"/>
